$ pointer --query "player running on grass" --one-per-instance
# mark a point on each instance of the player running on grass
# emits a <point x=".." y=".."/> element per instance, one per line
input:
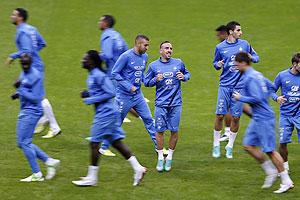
<point x="29" y="40"/>
<point x="231" y="80"/>
<point x="30" y="92"/>
<point x="289" y="83"/>
<point x="106" y="125"/>
<point x="166" y="73"/>
<point x="261" y="130"/>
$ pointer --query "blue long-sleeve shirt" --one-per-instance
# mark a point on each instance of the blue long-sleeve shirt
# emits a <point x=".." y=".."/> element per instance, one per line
<point x="168" y="90"/>
<point x="101" y="93"/>
<point x="257" y="92"/>
<point x="290" y="89"/>
<point x="112" y="46"/>
<point x="31" y="90"/>
<point x="129" y="71"/>
<point x="29" y="40"/>
<point x="230" y="76"/>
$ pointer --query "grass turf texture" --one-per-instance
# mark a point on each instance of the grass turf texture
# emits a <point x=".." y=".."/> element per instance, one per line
<point x="70" y="29"/>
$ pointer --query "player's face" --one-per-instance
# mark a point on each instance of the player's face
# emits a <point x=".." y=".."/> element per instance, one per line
<point x="102" y="24"/>
<point x="242" y="66"/>
<point x="297" y="67"/>
<point x="25" y="63"/>
<point x="143" y="45"/>
<point x="237" y="33"/>
<point x="15" y="17"/>
<point x="221" y="35"/>
<point x="166" y="51"/>
<point x="86" y="64"/>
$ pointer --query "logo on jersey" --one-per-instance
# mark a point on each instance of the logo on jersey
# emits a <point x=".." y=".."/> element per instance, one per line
<point x="167" y="74"/>
<point x="294" y="88"/>
<point x="132" y="63"/>
<point x="287" y="82"/>
<point x="138" y="67"/>
<point x="138" y="73"/>
<point x="225" y="51"/>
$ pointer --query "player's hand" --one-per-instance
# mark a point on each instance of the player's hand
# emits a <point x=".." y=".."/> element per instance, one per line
<point x="84" y="94"/>
<point x="236" y="96"/>
<point x="159" y="77"/>
<point x="180" y="76"/>
<point x="221" y="63"/>
<point x="14" y="96"/>
<point x="17" y="84"/>
<point x="8" y="61"/>
<point x="133" y="88"/>
<point x="281" y="100"/>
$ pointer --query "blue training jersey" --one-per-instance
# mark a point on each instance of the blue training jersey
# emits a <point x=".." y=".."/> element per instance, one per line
<point x="112" y="46"/>
<point x="168" y="90"/>
<point x="290" y="89"/>
<point x="29" y="40"/>
<point x="101" y="93"/>
<point x="129" y="71"/>
<point x="257" y="92"/>
<point x="230" y="76"/>
<point x="31" y="91"/>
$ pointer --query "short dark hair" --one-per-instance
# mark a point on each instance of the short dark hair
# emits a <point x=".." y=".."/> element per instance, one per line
<point x="94" y="56"/>
<point x="22" y="13"/>
<point x="110" y="20"/>
<point x="231" y="26"/>
<point x="243" y="57"/>
<point x="221" y="28"/>
<point x="139" y="37"/>
<point x="26" y="59"/>
<point x="296" y="58"/>
<point x="164" y="42"/>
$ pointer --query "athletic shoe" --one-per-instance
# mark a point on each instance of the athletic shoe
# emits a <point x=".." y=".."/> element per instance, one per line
<point x="106" y="152"/>
<point x="216" y="152"/>
<point x="147" y="100"/>
<point x="168" y="165"/>
<point x="51" y="134"/>
<point x="269" y="181"/>
<point x="52" y="165"/>
<point x="160" y="165"/>
<point x="229" y="152"/>
<point x="284" y="188"/>
<point x="85" y="182"/>
<point x="40" y="127"/>
<point x="33" y="178"/>
<point x="165" y="152"/>
<point x="224" y="138"/>
<point x="88" y="138"/>
<point x="138" y="176"/>
<point x="126" y="120"/>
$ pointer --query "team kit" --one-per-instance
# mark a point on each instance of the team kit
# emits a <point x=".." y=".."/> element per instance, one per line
<point x="115" y="77"/>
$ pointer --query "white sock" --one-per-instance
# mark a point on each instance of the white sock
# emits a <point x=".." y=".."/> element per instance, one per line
<point x="286" y="165"/>
<point x="49" y="161"/>
<point x="38" y="174"/>
<point x="269" y="168"/>
<point x="48" y="112"/>
<point x="134" y="163"/>
<point x="232" y="137"/>
<point x="217" y="138"/>
<point x="93" y="172"/>
<point x="285" y="178"/>
<point x="43" y="120"/>
<point x="160" y="154"/>
<point x="170" y="154"/>
<point x="227" y="131"/>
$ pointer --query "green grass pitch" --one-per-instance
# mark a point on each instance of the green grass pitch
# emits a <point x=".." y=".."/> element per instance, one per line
<point x="70" y="28"/>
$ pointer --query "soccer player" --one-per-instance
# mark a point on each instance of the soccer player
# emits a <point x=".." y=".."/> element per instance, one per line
<point x="30" y="92"/>
<point x="231" y="80"/>
<point x="261" y="130"/>
<point x="129" y="75"/>
<point x="101" y="92"/>
<point x="289" y="83"/>
<point x="29" y="40"/>
<point x="221" y="34"/>
<point x="166" y="73"/>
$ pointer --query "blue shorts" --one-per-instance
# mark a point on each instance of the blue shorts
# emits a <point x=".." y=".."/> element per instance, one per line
<point x="167" y="118"/>
<point x="227" y="104"/>
<point x="262" y="134"/>
<point x="286" y="127"/>
<point x="107" y="128"/>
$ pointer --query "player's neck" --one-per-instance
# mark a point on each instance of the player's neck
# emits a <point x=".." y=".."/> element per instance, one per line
<point x="294" y="71"/>
<point x="231" y="39"/>
<point x="136" y="51"/>
<point x="162" y="59"/>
